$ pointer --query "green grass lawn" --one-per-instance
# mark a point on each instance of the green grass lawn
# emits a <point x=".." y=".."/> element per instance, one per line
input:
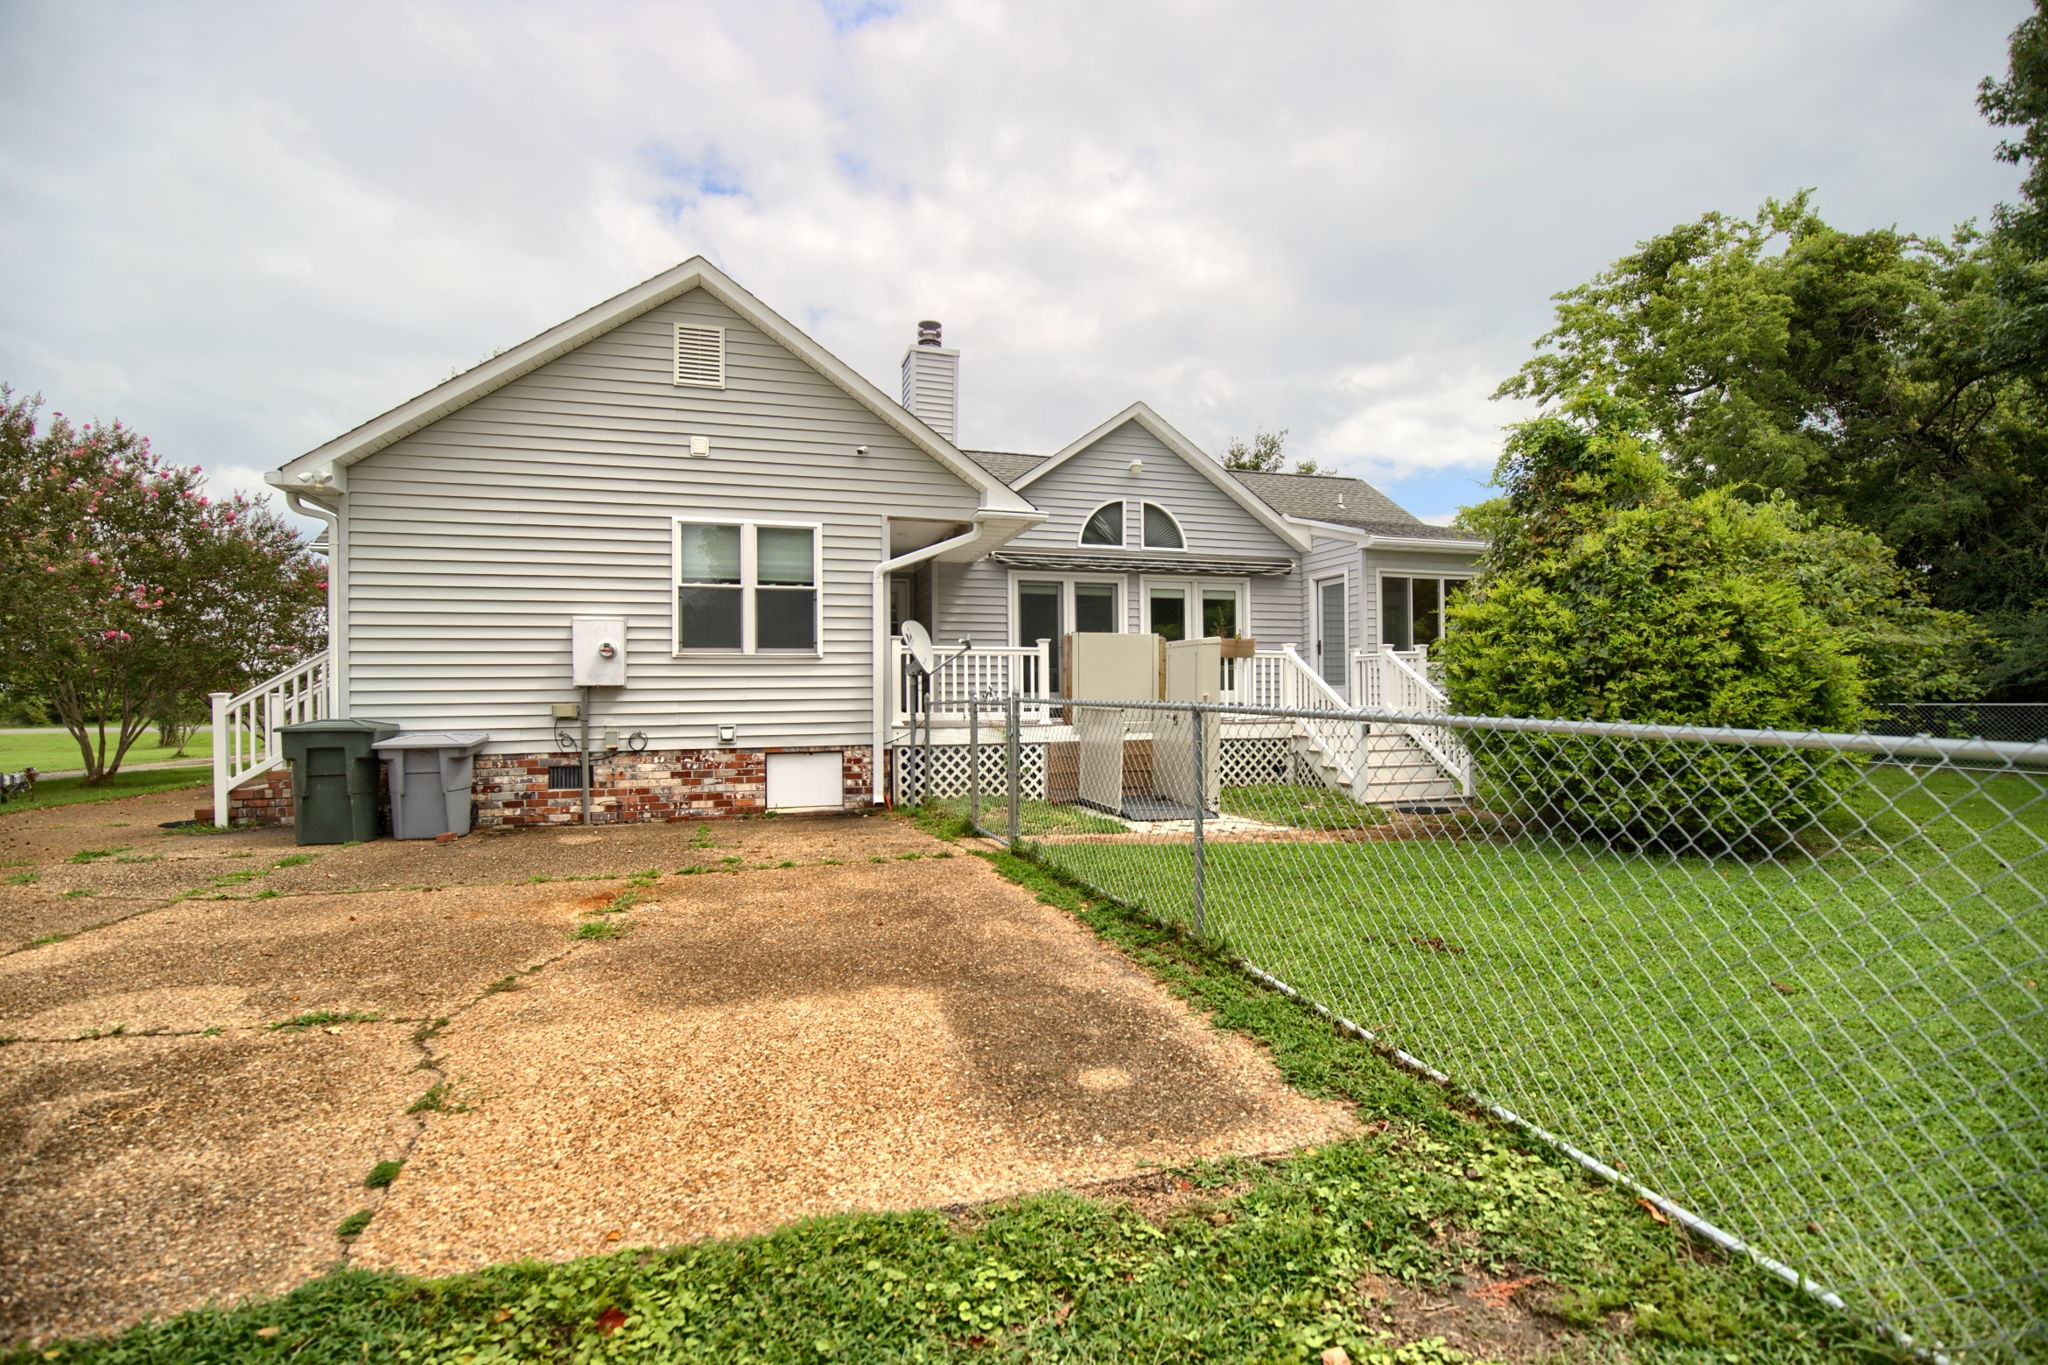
<point x="54" y="750"/>
<point x="71" y="791"/>
<point x="1303" y="807"/>
<point x="1249" y="1261"/>
<point x="1037" y="818"/>
<point x="1823" y="1054"/>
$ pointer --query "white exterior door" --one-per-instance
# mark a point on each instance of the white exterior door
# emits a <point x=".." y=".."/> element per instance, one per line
<point x="1333" y="642"/>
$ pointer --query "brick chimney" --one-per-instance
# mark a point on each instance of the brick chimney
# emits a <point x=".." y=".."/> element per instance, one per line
<point x="931" y="382"/>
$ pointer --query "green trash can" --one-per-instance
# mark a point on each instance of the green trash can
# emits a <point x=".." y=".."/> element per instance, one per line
<point x="334" y="778"/>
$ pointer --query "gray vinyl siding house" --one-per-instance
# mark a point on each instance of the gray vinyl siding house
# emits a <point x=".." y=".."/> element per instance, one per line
<point x="580" y="475"/>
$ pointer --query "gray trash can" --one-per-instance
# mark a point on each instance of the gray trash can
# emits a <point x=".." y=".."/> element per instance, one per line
<point x="430" y="780"/>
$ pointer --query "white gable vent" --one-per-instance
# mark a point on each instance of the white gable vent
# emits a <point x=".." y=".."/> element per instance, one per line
<point x="700" y="356"/>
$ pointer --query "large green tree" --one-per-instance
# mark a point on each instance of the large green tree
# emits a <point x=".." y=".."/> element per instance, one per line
<point x="126" y="590"/>
<point x="1851" y="371"/>
<point x="1610" y="593"/>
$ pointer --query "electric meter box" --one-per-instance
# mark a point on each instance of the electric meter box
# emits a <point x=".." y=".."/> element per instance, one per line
<point x="597" y="651"/>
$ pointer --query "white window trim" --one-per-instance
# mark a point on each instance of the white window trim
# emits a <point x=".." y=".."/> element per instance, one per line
<point x="1123" y="527"/>
<point x="1243" y="586"/>
<point x="1182" y="531"/>
<point x="1379" y="597"/>
<point x="749" y="585"/>
<point x="1066" y="582"/>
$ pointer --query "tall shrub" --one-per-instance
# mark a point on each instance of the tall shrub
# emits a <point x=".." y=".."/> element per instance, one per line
<point x="1609" y="595"/>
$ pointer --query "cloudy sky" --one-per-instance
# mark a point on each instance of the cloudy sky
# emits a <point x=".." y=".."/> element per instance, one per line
<point x="246" y="227"/>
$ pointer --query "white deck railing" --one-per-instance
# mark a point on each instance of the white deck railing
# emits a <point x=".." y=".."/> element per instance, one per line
<point x="1388" y="679"/>
<point x="988" y="673"/>
<point x="245" y="725"/>
<point x="1281" y="677"/>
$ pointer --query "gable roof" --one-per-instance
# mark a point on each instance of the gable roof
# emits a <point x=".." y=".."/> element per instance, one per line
<point x="1333" y="500"/>
<point x="1190" y="454"/>
<point x="529" y="355"/>
<point x="1338" y="500"/>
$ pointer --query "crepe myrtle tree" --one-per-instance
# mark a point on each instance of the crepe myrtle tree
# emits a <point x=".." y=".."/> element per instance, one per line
<point x="126" y="592"/>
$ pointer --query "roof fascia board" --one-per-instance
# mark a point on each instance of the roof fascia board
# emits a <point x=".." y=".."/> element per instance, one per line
<point x="1190" y="454"/>
<point x="1380" y="539"/>
<point x="559" y="340"/>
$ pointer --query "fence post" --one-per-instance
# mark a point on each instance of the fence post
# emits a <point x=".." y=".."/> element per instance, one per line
<point x="974" y="761"/>
<point x="1013" y="768"/>
<point x="1201" y="799"/>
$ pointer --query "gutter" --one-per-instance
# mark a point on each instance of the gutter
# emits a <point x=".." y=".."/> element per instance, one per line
<point x="297" y="500"/>
<point x="1378" y="540"/>
<point x="993" y="528"/>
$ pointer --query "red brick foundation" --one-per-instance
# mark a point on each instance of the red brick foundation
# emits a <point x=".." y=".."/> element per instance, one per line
<point x="675" y="784"/>
<point x="265" y="799"/>
<point x="511" y="790"/>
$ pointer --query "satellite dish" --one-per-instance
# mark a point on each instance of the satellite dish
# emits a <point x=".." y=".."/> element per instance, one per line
<point x="919" y="643"/>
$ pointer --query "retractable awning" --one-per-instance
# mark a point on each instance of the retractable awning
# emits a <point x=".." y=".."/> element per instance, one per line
<point x="1200" y="566"/>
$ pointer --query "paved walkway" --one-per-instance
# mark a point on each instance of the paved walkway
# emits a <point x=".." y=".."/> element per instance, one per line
<point x="798" y="1017"/>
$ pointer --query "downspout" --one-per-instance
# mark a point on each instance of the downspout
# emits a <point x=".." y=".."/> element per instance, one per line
<point x="885" y="686"/>
<point x="298" y="502"/>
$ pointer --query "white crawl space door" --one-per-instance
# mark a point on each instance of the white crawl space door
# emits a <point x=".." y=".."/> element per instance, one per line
<point x="804" y="781"/>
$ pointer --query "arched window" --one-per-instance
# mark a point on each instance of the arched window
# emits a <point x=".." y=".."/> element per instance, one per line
<point x="1162" y="532"/>
<point x="1105" y="525"/>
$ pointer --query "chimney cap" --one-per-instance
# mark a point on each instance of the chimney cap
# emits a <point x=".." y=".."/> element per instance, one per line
<point x="928" y="333"/>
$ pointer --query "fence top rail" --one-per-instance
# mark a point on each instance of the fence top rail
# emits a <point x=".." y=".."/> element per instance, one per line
<point x="2009" y="752"/>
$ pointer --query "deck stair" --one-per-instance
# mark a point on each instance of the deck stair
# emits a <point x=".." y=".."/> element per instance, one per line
<point x="245" y="724"/>
<point x="1406" y="763"/>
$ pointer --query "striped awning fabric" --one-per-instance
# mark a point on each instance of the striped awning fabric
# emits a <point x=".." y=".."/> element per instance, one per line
<point x="1193" y="565"/>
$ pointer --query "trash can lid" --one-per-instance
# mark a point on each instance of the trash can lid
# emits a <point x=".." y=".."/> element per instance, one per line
<point x="340" y="726"/>
<point x="435" y="739"/>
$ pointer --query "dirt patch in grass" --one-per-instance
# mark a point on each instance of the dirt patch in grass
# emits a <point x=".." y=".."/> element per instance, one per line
<point x="1487" y="1317"/>
<point x="149" y="1175"/>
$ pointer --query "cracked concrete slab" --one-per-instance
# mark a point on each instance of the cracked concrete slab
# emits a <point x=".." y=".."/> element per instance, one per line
<point x="599" y="851"/>
<point x="773" y="1045"/>
<point x="147" y="1176"/>
<point x="855" y="1031"/>
<point x="53" y="834"/>
<point x="31" y="912"/>
<point x="196" y="964"/>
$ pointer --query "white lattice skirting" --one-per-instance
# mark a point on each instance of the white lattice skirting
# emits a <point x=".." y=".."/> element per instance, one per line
<point x="951" y="775"/>
<point x="1247" y="762"/>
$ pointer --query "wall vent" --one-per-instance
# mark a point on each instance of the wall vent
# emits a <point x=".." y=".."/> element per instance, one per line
<point x="565" y="777"/>
<point x="700" y="356"/>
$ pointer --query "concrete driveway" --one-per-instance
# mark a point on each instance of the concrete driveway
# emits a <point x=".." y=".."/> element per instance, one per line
<point x="213" y="1039"/>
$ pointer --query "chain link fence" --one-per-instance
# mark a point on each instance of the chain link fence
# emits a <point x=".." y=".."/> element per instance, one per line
<point x="1787" y="986"/>
<point x="2017" y="722"/>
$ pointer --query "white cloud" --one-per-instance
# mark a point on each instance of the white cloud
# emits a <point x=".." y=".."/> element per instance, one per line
<point x="247" y="227"/>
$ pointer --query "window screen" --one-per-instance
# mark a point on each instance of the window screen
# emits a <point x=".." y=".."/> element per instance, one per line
<point x="1105" y="526"/>
<point x="1161" y="531"/>
<point x="746" y="588"/>
<point x="1095" y="607"/>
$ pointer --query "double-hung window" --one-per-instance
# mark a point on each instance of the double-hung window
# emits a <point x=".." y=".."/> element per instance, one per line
<point x="1411" y="608"/>
<point x="746" y="588"/>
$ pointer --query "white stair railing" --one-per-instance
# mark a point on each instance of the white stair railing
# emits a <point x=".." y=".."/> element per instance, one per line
<point x="245" y="724"/>
<point x="1387" y="679"/>
<point x="995" y="672"/>
<point x="1333" y="741"/>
